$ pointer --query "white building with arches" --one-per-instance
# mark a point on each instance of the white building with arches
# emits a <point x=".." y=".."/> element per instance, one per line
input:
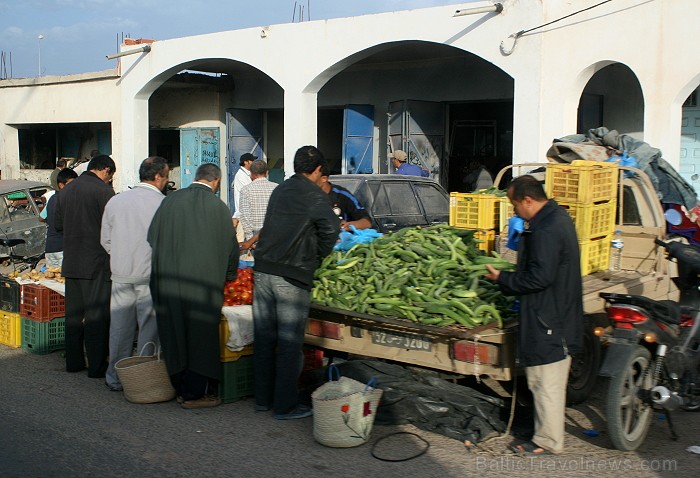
<point x="489" y="87"/>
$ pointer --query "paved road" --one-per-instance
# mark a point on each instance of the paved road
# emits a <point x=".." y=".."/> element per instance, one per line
<point x="54" y="424"/>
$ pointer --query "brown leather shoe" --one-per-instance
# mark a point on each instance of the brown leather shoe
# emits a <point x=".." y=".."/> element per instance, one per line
<point x="206" y="401"/>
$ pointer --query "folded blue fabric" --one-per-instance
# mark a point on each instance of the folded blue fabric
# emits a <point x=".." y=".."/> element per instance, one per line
<point x="516" y="225"/>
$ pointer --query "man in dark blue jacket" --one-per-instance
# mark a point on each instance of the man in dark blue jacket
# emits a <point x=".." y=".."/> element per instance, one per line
<point x="548" y="281"/>
<point x="85" y="266"/>
<point x="299" y="230"/>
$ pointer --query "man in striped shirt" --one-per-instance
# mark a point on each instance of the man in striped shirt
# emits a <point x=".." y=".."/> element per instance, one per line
<point x="253" y="202"/>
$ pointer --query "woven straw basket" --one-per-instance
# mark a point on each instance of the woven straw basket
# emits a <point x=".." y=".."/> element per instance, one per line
<point x="145" y="378"/>
<point x="344" y="412"/>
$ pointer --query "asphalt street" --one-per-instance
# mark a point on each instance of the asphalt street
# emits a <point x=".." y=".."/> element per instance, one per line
<point x="55" y="424"/>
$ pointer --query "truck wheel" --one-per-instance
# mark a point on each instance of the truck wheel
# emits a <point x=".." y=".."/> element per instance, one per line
<point x="628" y="415"/>
<point x="584" y="368"/>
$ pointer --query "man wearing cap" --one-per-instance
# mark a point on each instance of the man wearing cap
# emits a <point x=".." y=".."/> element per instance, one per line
<point x="398" y="160"/>
<point x="242" y="178"/>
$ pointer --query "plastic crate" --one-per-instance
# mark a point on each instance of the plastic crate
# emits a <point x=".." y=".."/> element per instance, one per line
<point x="505" y="212"/>
<point x="9" y="295"/>
<point x="582" y="181"/>
<point x="595" y="254"/>
<point x="40" y="303"/>
<point x="592" y="220"/>
<point x="488" y="238"/>
<point x="236" y="379"/>
<point x="313" y="358"/>
<point x="474" y="211"/>
<point x="43" y="337"/>
<point x="225" y="355"/>
<point x="10" y="329"/>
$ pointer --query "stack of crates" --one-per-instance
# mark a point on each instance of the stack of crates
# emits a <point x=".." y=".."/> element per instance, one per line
<point x="42" y="312"/>
<point x="588" y="191"/>
<point x="488" y="214"/>
<point x="10" y="325"/>
<point x="236" y="368"/>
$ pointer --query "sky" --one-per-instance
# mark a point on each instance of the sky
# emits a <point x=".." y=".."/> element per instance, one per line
<point x="76" y="35"/>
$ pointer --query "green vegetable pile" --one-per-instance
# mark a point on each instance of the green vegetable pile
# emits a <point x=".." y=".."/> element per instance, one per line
<point x="429" y="275"/>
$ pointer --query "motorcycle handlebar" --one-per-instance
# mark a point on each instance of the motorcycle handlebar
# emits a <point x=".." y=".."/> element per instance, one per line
<point x="659" y="242"/>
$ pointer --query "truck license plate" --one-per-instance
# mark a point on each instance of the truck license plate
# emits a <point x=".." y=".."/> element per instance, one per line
<point x="401" y="341"/>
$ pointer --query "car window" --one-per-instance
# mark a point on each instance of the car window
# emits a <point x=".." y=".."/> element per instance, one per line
<point x="401" y="199"/>
<point x="434" y="202"/>
<point x="380" y="207"/>
<point x="19" y="205"/>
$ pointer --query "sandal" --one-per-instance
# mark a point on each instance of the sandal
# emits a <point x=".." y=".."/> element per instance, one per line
<point x="529" y="448"/>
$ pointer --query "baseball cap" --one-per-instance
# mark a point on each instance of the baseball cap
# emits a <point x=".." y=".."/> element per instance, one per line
<point x="398" y="154"/>
<point x="247" y="157"/>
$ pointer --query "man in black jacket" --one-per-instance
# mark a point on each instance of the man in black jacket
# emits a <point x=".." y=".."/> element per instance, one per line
<point x="86" y="266"/>
<point x="299" y="230"/>
<point x="548" y="281"/>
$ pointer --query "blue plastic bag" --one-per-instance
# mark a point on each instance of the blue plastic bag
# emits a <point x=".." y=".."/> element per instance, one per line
<point x="349" y="239"/>
<point x="624" y="160"/>
<point x="516" y="225"/>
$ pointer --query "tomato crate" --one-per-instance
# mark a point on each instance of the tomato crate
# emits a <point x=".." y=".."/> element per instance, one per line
<point x="582" y="181"/>
<point x="595" y="254"/>
<point x="313" y="358"/>
<point x="43" y="337"/>
<point x="474" y="211"/>
<point x="236" y="379"/>
<point x="592" y="220"/>
<point x="10" y="329"/>
<point x="40" y="303"/>
<point x="9" y="295"/>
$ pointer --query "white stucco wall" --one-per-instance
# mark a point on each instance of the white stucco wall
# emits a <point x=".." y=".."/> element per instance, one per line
<point x="90" y="98"/>
<point x="302" y="66"/>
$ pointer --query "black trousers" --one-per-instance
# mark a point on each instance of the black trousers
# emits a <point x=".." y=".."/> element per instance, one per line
<point x="87" y="324"/>
<point x="191" y="385"/>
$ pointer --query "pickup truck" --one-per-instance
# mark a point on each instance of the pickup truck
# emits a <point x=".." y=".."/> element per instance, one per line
<point x="486" y="351"/>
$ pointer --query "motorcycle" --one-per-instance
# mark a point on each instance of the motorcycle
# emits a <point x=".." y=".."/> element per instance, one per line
<point x="653" y="354"/>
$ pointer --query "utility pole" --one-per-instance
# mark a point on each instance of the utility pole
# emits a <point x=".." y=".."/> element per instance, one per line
<point x="40" y="37"/>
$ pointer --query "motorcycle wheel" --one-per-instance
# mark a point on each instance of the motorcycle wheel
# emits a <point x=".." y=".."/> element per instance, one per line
<point x="692" y="406"/>
<point x="628" y="416"/>
<point x="584" y="368"/>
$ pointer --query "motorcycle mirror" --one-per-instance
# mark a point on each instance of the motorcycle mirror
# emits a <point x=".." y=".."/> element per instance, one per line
<point x="673" y="217"/>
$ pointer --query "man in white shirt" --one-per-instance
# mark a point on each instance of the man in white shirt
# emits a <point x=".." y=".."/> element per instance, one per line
<point x="242" y="178"/>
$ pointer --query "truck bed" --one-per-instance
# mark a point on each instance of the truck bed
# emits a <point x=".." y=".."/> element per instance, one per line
<point x="409" y="342"/>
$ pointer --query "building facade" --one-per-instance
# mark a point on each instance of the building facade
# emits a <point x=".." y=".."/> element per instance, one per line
<point x="492" y="88"/>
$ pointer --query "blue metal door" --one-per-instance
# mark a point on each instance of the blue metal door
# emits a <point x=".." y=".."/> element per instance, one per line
<point x="244" y="135"/>
<point x="418" y="128"/>
<point x="197" y="146"/>
<point x="358" y="138"/>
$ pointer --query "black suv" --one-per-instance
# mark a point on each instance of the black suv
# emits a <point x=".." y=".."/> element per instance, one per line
<point x="395" y="201"/>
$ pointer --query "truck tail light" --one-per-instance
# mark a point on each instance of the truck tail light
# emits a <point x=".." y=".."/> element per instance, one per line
<point x="469" y="351"/>
<point x="624" y="314"/>
<point x="321" y="328"/>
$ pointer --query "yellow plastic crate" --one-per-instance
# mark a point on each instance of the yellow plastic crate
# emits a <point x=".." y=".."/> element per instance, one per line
<point x="595" y="254"/>
<point x="582" y="181"/>
<point x="225" y="355"/>
<point x="592" y="220"/>
<point x="505" y="212"/>
<point x="10" y="329"/>
<point x="489" y="238"/>
<point x="474" y="211"/>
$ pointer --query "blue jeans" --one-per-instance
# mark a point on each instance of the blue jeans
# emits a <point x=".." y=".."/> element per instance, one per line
<point x="280" y="312"/>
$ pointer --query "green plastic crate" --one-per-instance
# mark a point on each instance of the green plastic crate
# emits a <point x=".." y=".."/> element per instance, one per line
<point x="236" y="379"/>
<point x="43" y="337"/>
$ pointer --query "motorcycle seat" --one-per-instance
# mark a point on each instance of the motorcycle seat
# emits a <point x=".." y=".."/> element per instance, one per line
<point x="673" y="314"/>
